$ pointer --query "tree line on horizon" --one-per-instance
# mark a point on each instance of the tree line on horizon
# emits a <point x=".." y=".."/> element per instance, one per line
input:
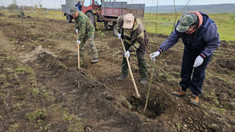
<point x="216" y="8"/>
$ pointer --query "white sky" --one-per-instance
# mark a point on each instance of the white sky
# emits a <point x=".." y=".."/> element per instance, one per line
<point x="57" y="3"/>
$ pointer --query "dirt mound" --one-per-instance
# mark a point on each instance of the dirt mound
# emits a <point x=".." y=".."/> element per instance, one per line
<point x="32" y="56"/>
<point x="91" y="101"/>
<point x="228" y="64"/>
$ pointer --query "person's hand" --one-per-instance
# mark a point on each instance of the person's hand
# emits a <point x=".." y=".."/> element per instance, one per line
<point x="76" y="30"/>
<point x="78" y="41"/>
<point x="154" y="55"/>
<point x="198" y="61"/>
<point x="127" y="54"/>
<point x="119" y="36"/>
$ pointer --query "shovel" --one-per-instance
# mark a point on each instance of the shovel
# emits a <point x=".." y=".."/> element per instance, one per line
<point x="129" y="67"/>
<point x="78" y="53"/>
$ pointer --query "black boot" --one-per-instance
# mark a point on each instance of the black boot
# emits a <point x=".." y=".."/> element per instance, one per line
<point x="95" y="60"/>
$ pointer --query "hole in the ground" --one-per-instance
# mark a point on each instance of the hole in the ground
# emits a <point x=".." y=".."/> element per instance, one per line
<point x="155" y="106"/>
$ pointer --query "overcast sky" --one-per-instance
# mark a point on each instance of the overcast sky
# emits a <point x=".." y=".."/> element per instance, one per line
<point x="57" y="3"/>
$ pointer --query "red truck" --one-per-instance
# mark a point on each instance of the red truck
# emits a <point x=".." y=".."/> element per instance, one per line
<point x="101" y="11"/>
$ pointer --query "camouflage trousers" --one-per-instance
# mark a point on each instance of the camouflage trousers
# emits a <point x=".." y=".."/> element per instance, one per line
<point x="141" y="61"/>
<point x="90" y="40"/>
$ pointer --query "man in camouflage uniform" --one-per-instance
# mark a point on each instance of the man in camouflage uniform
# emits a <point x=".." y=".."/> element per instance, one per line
<point x="86" y="32"/>
<point x="132" y="31"/>
<point x="21" y="12"/>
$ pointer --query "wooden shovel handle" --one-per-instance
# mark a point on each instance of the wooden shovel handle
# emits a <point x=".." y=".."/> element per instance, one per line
<point x="129" y="67"/>
<point x="78" y="54"/>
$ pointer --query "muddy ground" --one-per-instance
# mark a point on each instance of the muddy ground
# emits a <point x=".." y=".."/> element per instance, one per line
<point x="42" y="90"/>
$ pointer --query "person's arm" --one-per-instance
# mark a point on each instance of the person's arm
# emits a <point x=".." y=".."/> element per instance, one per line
<point x="120" y="22"/>
<point x="169" y="42"/>
<point x="211" y="37"/>
<point x="81" y="25"/>
<point x="76" y="24"/>
<point x="138" y="42"/>
<point x="119" y="28"/>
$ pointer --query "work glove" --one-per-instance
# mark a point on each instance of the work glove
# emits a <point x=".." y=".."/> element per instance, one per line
<point x="127" y="54"/>
<point x="119" y="36"/>
<point x="78" y="42"/>
<point x="198" y="61"/>
<point x="154" y="55"/>
<point x="76" y="30"/>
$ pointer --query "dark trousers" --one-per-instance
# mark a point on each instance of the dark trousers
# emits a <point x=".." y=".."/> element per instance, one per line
<point x="141" y="61"/>
<point x="195" y="83"/>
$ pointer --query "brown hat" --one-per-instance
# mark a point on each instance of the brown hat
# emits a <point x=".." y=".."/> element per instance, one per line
<point x="128" y="21"/>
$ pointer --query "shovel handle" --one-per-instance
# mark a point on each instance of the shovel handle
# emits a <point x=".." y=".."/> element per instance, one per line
<point x="78" y="54"/>
<point x="129" y="67"/>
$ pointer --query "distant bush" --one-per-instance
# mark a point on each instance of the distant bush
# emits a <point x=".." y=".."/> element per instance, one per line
<point x="28" y="7"/>
<point x="13" y="7"/>
<point x="2" y="7"/>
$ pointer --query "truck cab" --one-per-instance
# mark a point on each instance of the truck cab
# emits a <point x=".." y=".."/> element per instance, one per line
<point x="92" y="9"/>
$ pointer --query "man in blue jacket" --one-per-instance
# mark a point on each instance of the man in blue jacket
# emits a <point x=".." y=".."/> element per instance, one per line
<point x="79" y="6"/>
<point x="200" y="37"/>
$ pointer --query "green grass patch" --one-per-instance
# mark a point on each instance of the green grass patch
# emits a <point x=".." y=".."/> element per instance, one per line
<point x="48" y="94"/>
<point x="35" y="92"/>
<point x="159" y="23"/>
<point x="1" y="118"/>
<point x="14" y="127"/>
<point x="2" y="76"/>
<point x="233" y="75"/>
<point x="9" y="57"/>
<point x="163" y="24"/>
<point x="178" y="125"/>
<point x="8" y="69"/>
<point x="2" y="95"/>
<point x="74" y="121"/>
<point x="226" y="25"/>
<point x="38" y="114"/>
<point x="17" y="106"/>
<point x="21" y="69"/>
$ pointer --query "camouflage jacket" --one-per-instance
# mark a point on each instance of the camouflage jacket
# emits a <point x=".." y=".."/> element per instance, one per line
<point x="136" y="36"/>
<point x="84" y="26"/>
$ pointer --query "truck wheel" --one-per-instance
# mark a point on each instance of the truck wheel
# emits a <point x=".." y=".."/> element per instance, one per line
<point x="107" y="26"/>
<point x="115" y="30"/>
<point x="91" y="17"/>
<point x="69" y="18"/>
